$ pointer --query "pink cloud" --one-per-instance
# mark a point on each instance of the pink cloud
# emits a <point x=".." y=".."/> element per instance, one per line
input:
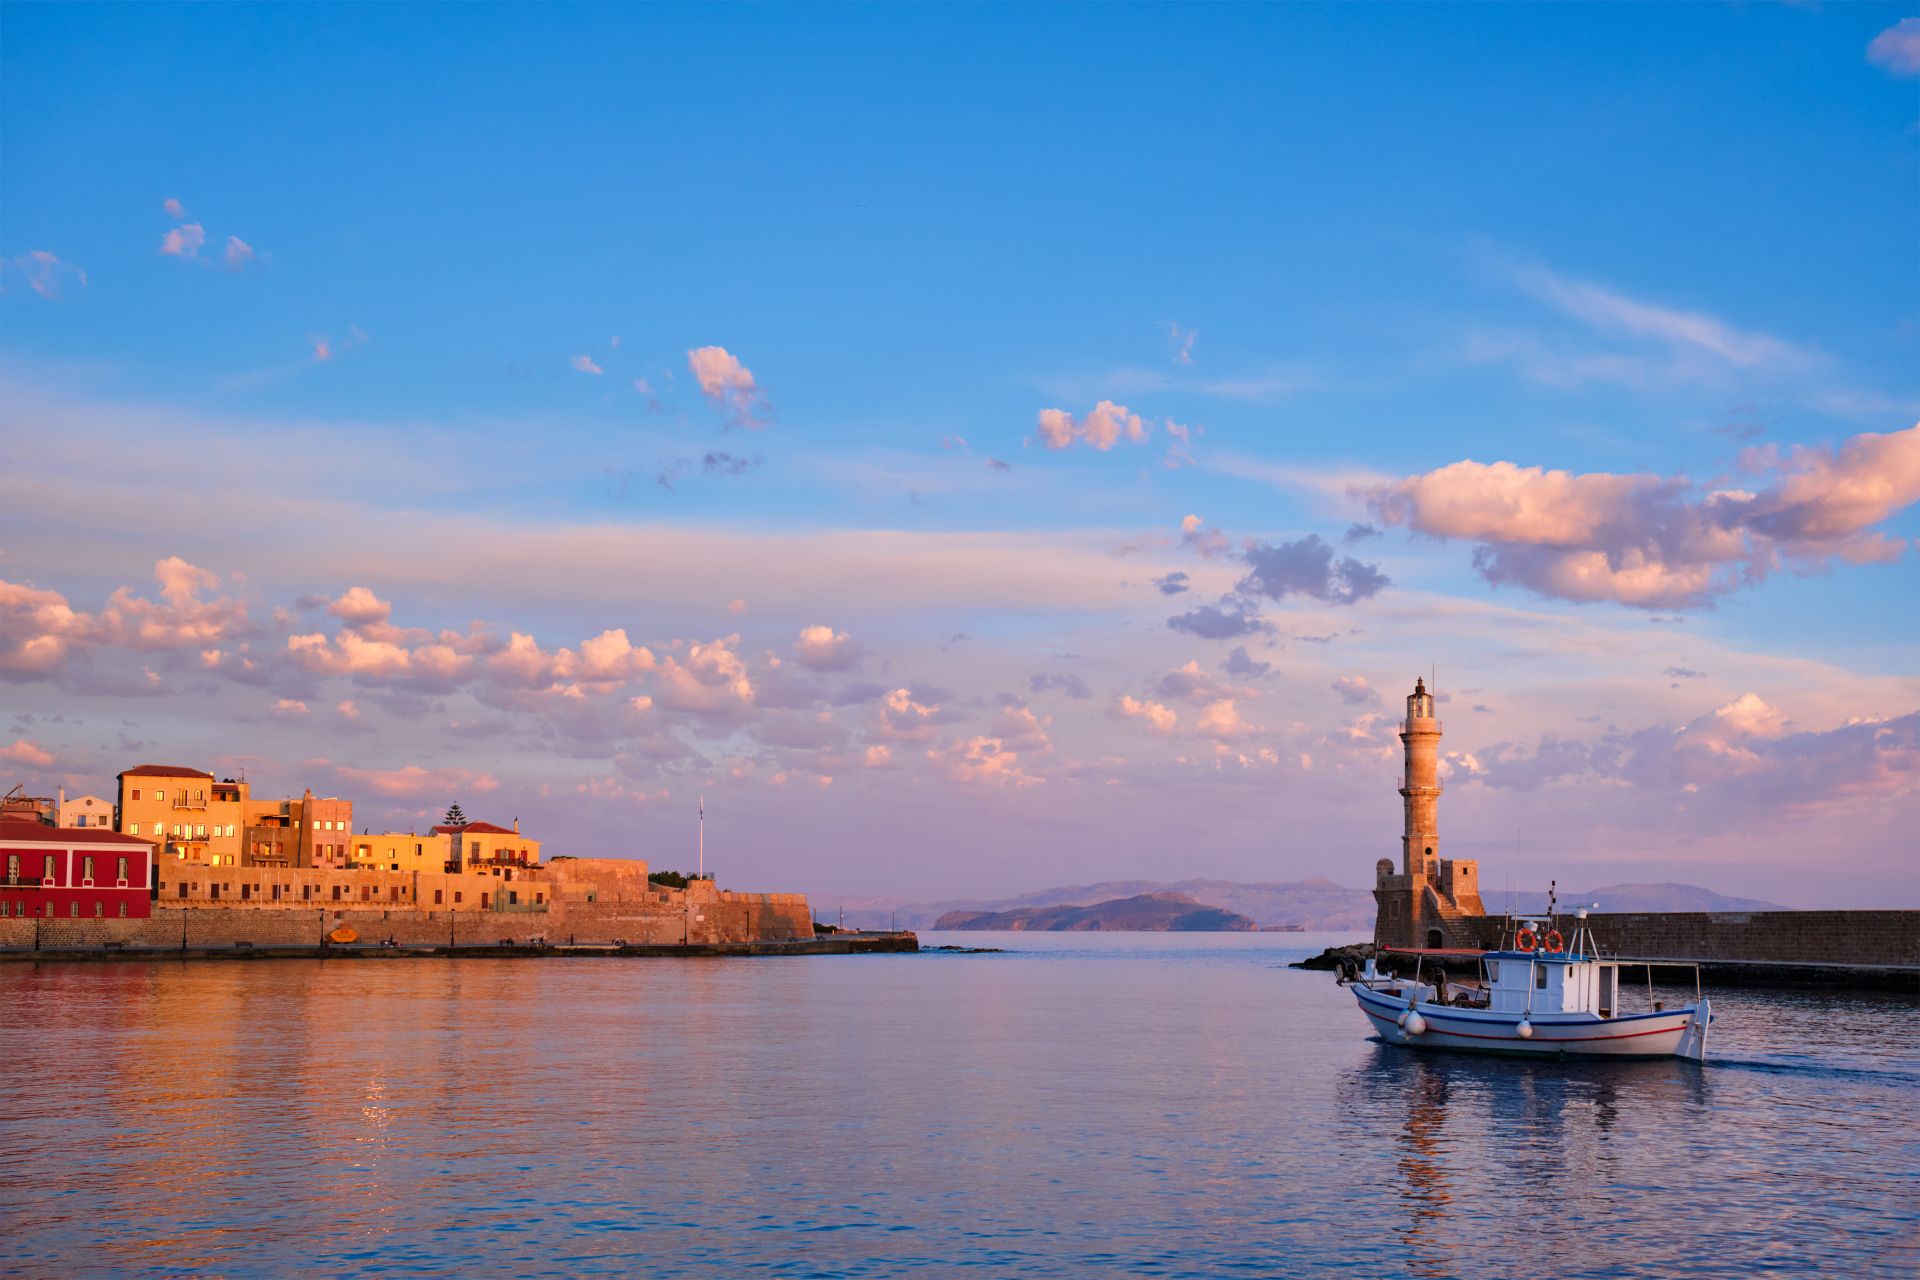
<point x="1355" y="691"/>
<point x="824" y="649"/>
<point x="44" y="272"/>
<point x="585" y="364"/>
<point x="28" y="753"/>
<point x="322" y="348"/>
<point x="290" y="707"/>
<point x="1103" y="428"/>
<point x="184" y="241"/>
<point x="729" y="384"/>
<point x="413" y="780"/>
<point x="1897" y="49"/>
<point x="1159" y="718"/>
<point x="712" y="681"/>
<point x="1660" y="542"/>
<point x="174" y="208"/>
<point x="982" y="761"/>
<point x="239" y="253"/>
<point x="1205" y="542"/>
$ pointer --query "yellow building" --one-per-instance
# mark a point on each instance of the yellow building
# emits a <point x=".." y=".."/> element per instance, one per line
<point x="397" y="851"/>
<point x="481" y="846"/>
<point x="190" y="816"/>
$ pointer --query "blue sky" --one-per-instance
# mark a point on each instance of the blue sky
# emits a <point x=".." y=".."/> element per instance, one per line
<point x="1338" y="249"/>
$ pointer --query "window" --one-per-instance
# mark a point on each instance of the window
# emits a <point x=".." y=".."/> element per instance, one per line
<point x="134" y="830"/>
<point x="183" y="888"/>
<point x="123" y="911"/>
<point x="158" y="796"/>
<point x="13" y="866"/>
<point x="213" y="891"/>
<point x="246" y="892"/>
<point x="86" y="867"/>
<point x="365" y="893"/>
<point x="539" y="898"/>
<point x="136" y="793"/>
<point x="1540" y="977"/>
<point x="201" y="830"/>
<point x="457" y="895"/>
<point x="436" y="896"/>
<point x="99" y="910"/>
<point x="306" y="893"/>
<point x="513" y="899"/>
<point x="48" y="871"/>
<point x="484" y="901"/>
<point x="276" y="893"/>
<point x="336" y="893"/>
<point x="73" y="909"/>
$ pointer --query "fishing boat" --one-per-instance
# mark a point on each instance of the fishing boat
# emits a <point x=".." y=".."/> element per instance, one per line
<point x="1539" y="994"/>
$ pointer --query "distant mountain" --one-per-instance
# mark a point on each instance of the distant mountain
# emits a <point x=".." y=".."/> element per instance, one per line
<point x="1626" y="897"/>
<point x="1142" y="913"/>
<point x="1318" y="904"/>
<point x="1311" y="904"/>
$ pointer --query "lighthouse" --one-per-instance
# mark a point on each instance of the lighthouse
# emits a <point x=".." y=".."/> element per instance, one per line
<point x="1431" y="900"/>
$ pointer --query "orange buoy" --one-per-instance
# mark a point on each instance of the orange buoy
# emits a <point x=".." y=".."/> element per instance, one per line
<point x="1524" y="940"/>
<point x="1555" y="942"/>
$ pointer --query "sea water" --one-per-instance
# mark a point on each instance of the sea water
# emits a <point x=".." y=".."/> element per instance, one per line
<point x="1078" y="1105"/>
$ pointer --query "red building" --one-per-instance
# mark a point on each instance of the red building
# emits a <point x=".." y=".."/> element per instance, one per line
<point x="73" y="872"/>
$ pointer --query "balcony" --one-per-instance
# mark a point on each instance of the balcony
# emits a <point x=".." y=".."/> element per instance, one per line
<point x="184" y="803"/>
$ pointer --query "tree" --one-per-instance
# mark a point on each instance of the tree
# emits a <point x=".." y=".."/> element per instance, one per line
<point x="455" y="818"/>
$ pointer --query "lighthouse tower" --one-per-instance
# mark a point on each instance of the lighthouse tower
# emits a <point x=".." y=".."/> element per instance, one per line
<point x="1430" y="901"/>
<point x="1420" y="735"/>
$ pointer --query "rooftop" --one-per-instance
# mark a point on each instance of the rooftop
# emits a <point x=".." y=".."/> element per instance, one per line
<point x="477" y="828"/>
<point x="165" y="771"/>
<point x="27" y="831"/>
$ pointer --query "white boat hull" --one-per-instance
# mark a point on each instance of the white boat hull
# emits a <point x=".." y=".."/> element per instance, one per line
<point x="1678" y="1033"/>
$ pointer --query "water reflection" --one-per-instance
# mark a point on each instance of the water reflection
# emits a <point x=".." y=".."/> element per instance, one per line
<point x="1118" y="1109"/>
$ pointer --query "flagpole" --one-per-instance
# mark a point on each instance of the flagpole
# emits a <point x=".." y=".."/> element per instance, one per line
<point x="703" y="837"/>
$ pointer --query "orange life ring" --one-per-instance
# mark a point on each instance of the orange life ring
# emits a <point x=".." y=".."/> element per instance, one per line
<point x="1555" y="943"/>
<point x="1524" y="940"/>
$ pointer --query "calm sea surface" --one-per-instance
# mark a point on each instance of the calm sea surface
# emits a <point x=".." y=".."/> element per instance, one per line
<point x="1084" y="1105"/>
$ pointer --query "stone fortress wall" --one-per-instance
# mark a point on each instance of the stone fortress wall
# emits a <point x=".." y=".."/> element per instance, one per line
<point x="582" y="900"/>
<point x="1828" y="939"/>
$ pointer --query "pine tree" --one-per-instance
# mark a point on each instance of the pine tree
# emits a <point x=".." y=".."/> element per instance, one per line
<point x="455" y="818"/>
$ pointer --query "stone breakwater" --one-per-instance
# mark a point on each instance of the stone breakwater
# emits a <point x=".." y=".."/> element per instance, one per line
<point x="1867" y="949"/>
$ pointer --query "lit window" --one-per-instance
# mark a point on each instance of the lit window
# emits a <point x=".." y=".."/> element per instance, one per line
<point x="157" y="795"/>
<point x="134" y="830"/>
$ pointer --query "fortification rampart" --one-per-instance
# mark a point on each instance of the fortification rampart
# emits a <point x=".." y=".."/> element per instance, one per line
<point x="1835" y="938"/>
<point x="700" y="915"/>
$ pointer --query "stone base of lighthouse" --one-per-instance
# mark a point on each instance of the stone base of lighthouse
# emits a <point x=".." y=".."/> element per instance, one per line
<point x="1439" y="910"/>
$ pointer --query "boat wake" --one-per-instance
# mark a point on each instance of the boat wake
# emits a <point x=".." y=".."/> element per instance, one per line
<point x="1811" y="1067"/>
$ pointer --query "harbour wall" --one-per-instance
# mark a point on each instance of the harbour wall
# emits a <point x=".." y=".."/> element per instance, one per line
<point x="1879" y="947"/>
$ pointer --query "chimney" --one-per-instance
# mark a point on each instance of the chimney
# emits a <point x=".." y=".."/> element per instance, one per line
<point x="516" y="826"/>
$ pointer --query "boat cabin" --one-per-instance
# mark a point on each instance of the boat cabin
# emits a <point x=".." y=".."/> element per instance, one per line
<point x="1520" y="981"/>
